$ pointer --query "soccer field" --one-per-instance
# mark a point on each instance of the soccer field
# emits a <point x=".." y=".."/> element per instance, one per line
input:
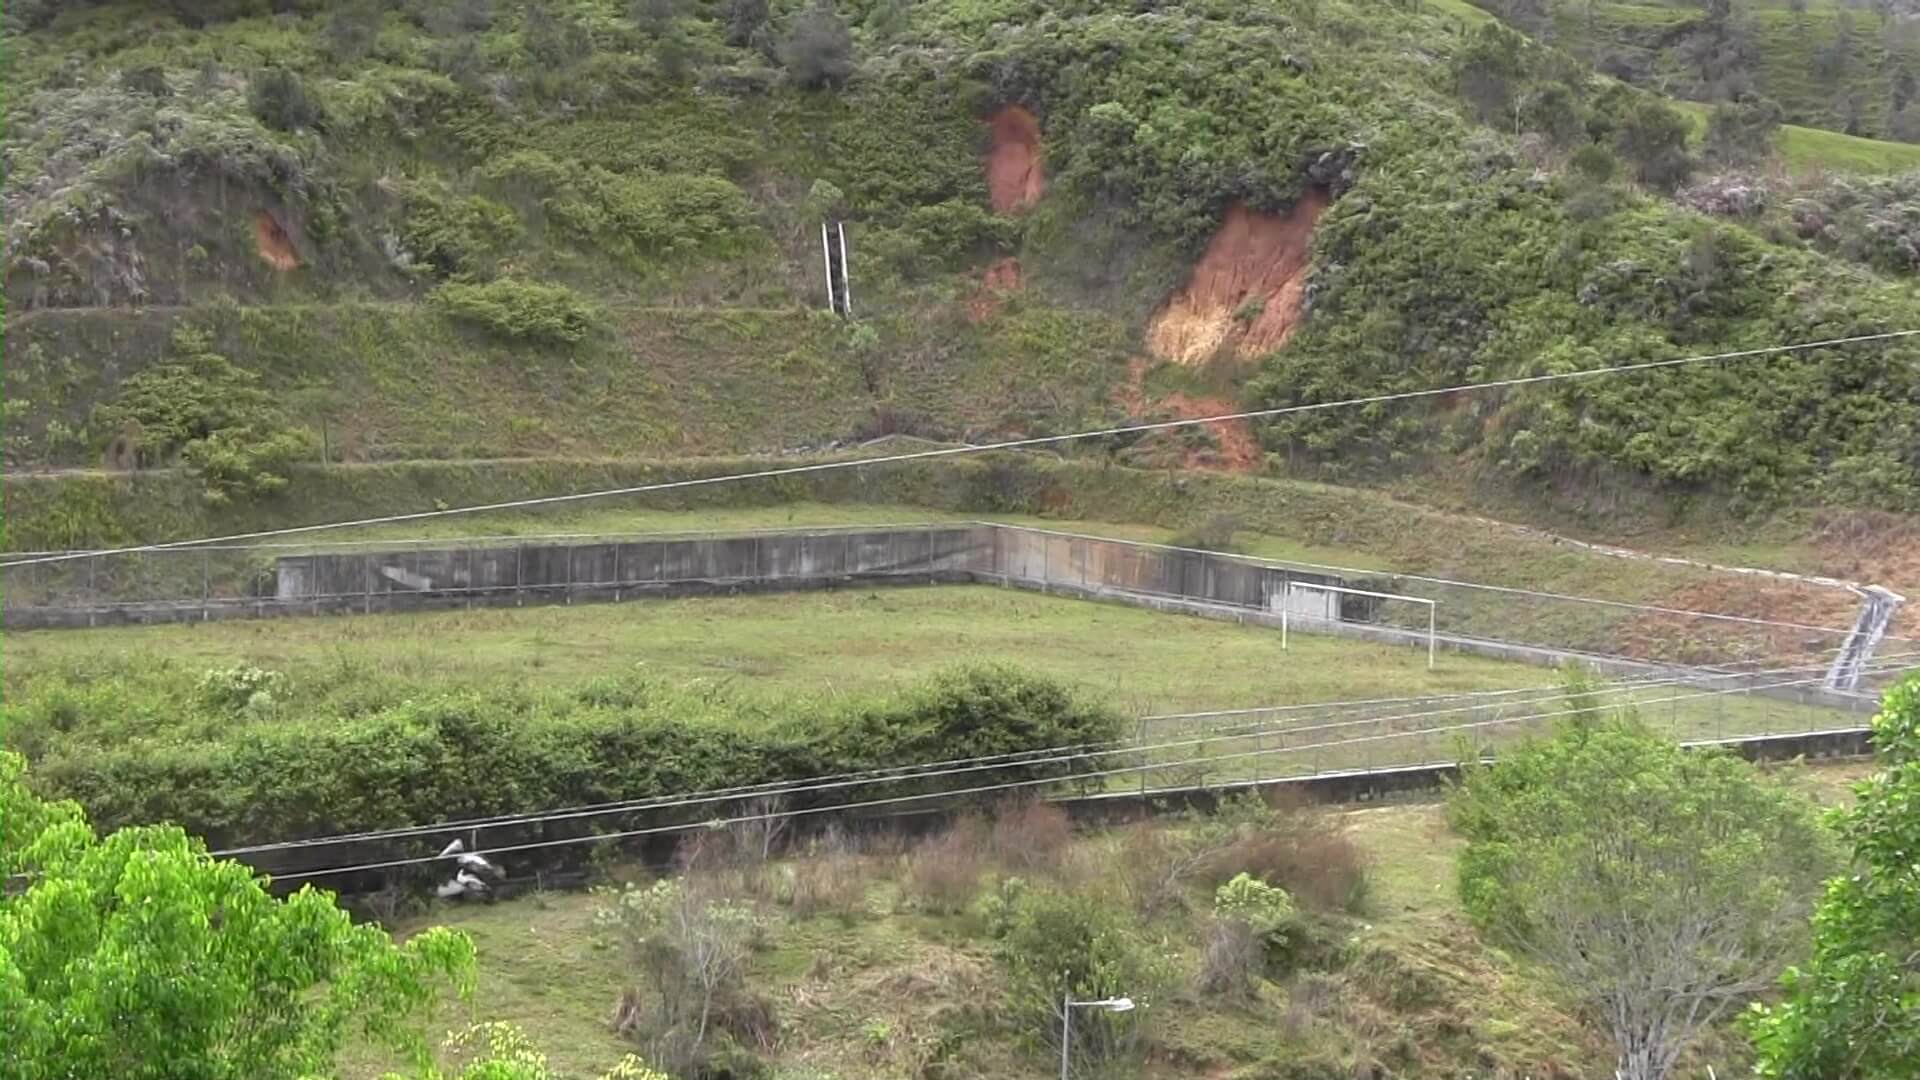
<point x="845" y="641"/>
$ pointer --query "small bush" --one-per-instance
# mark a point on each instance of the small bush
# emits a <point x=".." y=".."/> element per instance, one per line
<point x="692" y="952"/>
<point x="240" y="687"/>
<point x="519" y="310"/>
<point x="1155" y="865"/>
<point x="1252" y="925"/>
<point x="279" y="100"/>
<point x="241" y="464"/>
<point x="1302" y="850"/>
<point x="818" y="50"/>
<point x="212" y="414"/>
<point x="1055" y="944"/>
<point x="1231" y="960"/>
<point x="1030" y="837"/>
<point x="1652" y="137"/>
<point x="831" y="878"/>
<point x="454" y="234"/>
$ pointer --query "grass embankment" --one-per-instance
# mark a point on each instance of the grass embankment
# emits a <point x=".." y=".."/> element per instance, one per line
<point x="393" y="381"/>
<point x="876" y="967"/>
<point x="893" y="970"/>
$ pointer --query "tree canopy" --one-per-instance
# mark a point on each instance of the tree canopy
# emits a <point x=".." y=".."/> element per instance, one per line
<point x="1663" y="887"/>
<point x="1853" y="1012"/>
<point x="139" y="956"/>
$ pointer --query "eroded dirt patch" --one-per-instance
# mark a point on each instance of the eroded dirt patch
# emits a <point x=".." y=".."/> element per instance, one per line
<point x="276" y="247"/>
<point x="1015" y="178"/>
<point x="1689" y="639"/>
<point x="1245" y="294"/>
<point x="1228" y="445"/>
<point x="1001" y="278"/>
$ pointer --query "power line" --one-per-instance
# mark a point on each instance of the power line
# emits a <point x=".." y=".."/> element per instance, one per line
<point x="1038" y="756"/>
<point x="980" y="790"/>
<point x="934" y="770"/>
<point x="1067" y="756"/>
<point x="1008" y="444"/>
<point x="925" y="770"/>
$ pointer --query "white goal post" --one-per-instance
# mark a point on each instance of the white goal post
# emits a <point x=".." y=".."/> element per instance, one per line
<point x="1286" y="608"/>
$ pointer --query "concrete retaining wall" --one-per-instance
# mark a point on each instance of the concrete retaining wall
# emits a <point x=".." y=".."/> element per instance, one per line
<point x="1209" y="584"/>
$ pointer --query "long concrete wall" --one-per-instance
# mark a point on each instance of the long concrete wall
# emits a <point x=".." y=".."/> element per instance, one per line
<point x="604" y="572"/>
<point x="1208" y="584"/>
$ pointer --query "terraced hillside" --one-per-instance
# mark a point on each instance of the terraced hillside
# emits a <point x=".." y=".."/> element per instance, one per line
<point x="241" y="238"/>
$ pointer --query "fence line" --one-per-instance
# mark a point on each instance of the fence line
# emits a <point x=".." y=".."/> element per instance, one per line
<point x="364" y="577"/>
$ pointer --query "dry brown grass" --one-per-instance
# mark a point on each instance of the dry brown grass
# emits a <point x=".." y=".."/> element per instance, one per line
<point x="833" y="877"/>
<point x="944" y="872"/>
<point x="1302" y="848"/>
<point x="1030" y="837"/>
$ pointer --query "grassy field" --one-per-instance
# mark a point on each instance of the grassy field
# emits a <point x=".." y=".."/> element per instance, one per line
<point x="851" y="641"/>
<point x="856" y="643"/>
<point x="1804" y="149"/>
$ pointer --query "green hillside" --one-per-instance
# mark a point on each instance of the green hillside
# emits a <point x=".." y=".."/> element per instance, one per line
<point x="366" y="231"/>
<point x="1829" y="66"/>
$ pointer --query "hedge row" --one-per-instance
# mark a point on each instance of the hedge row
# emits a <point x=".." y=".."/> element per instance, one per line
<point x="455" y="755"/>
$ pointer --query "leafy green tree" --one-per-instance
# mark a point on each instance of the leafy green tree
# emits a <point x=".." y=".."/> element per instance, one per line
<point x="1662" y="887"/>
<point x="139" y="956"/>
<point x="1594" y="163"/>
<point x="1741" y="132"/>
<point x="1853" y="1013"/>
<point x="1056" y="945"/>
<point x="1652" y="137"/>
<point x="818" y="48"/>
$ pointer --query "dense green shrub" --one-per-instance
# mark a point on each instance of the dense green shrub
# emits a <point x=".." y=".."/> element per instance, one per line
<point x="1741" y="133"/>
<point x="454" y="754"/>
<point x="280" y="99"/>
<point x="1082" y="945"/>
<point x="641" y="219"/>
<point x="455" y="234"/>
<point x="519" y="310"/>
<point x="1652" y="137"/>
<point x="818" y="48"/>
<point x="213" y="415"/>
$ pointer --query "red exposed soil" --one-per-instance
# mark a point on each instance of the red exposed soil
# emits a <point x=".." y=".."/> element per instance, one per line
<point x="1015" y="180"/>
<point x="1236" y="448"/>
<point x="1001" y="278"/>
<point x="1245" y="292"/>
<point x="275" y="245"/>
<point x="1694" y="640"/>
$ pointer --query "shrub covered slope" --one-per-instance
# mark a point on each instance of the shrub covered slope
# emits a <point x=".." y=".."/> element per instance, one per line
<point x="538" y="226"/>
